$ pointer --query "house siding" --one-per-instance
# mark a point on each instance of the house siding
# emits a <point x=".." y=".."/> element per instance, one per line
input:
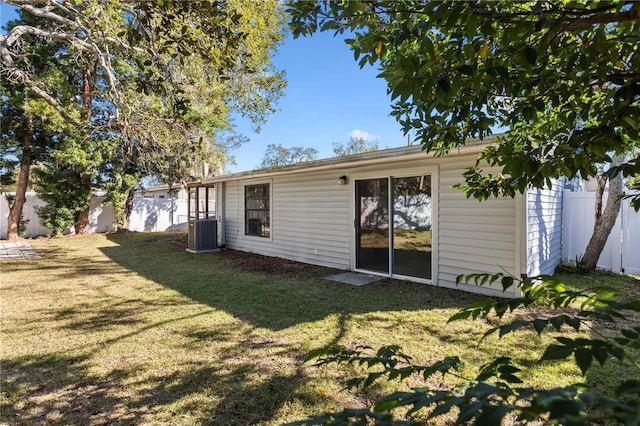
<point x="473" y="236"/>
<point x="544" y="229"/>
<point x="312" y="219"/>
<point x="309" y="219"/>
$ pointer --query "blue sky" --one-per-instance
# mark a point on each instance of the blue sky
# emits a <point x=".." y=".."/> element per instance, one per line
<point x="328" y="99"/>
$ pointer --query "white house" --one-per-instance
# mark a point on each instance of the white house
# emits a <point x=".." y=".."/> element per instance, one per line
<point x="393" y="213"/>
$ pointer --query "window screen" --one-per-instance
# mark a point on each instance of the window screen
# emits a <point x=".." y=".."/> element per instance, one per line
<point x="257" y="210"/>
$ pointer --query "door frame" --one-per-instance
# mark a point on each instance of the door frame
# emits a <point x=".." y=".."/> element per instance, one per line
<point x="405" y="172"/>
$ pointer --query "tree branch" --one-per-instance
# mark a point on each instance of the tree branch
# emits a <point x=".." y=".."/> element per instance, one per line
<point x="23" y="78"/>
<point x="45" y="12"/>
<point x="19" y="31"/>
<point x="605" y="18"/>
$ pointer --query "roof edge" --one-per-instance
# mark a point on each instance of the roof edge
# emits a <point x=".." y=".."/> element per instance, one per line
<point x="366" y="158"/>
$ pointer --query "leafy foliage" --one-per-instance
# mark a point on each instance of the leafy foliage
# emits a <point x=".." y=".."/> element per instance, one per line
<point x="147" y="38"/>
<point x="561" y="77"/>
<point x="160" y="79"/>
<point x="497" y="390"/>
<point x="64" y="194"/>
<point x="278" y="155"/>
<point x="354" y="146"/>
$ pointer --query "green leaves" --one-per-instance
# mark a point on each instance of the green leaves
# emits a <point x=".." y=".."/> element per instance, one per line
<point x="583" y="350"/>
<point x="158" y="75"/>
<point x="531" y="54"/>
<point x="545" y="72"/>
<point x="497" y="390"/>
<point x="631" y="387"/>
<point x="278" y="155"/>
<point x="500" y="368"/>
<point x="561" y="78"/>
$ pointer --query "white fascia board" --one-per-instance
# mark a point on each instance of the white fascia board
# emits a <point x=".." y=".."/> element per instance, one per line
<point x="474" y="146"/>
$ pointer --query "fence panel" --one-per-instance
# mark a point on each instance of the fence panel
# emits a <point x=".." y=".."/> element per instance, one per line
<point x="101" y="216"/>
<point x="29" y="216"/>
<point x="622" y="250"/>
<point x="154" y="214"/>
<point x="630" y="239"/>
<point x="148" y="215"/>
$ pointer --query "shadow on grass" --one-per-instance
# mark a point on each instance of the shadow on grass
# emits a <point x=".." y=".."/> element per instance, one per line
<point x="264" y="300"/>
<point x="92" y="368"/>
<point x="57" y="390"/>
<point x="63" y="264"/>
<point x="122" y="313"/>
<point x="269" y="300"/>
<point x="222" y="370"/>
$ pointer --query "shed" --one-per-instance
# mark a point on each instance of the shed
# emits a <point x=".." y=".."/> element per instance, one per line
<point x="393" y="213"/>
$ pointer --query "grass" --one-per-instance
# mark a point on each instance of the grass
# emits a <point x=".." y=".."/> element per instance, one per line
<point x="129" y="329"/>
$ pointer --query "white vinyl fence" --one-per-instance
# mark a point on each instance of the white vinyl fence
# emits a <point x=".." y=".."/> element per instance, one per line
<point x="101" y="217"/>
<point x="148" y="215"/>
<point x="622" y="251"/>
<point x="158" y="214"/>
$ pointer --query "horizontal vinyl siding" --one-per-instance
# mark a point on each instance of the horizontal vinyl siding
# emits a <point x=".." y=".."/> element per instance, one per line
<point x="310" y="220"/>
<point x="544" y="229"/>
<point x="473" y="237"/>
<point x="233" y="206"/>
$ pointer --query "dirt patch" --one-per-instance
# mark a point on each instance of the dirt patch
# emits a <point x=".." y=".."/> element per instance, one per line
<point x="272" y="265"/>
<point x="253" y="262"/>
<point x="179" y="240"/>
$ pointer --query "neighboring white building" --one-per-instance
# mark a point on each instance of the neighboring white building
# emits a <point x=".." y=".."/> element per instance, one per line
<point x="392" y="213"/>
<point x="162" y="192"/>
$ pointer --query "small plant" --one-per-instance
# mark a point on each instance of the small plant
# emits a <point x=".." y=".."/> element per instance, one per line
<point x="575" y="267"/>
<point x="497" y="391"/>
<point x="22" y="226"/>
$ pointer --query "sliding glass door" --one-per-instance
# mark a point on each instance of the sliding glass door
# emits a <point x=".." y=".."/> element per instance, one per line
<point x="412" y="226"/>
<point x="372" y="224"/>
<point x="393" y="227"/>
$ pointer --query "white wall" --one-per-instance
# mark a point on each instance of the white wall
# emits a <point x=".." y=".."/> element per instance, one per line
<point x="101" y="217"/>
<point x="630" y="239"/>
<point x="28" y="214"/>
<point x="544" y="229"/>
<point x="622" y="250"/>
<point x="153" y="215"/>
<point x="310" y="219"/>
<point x="474" y="236"/>
<point x="149" y="215"/>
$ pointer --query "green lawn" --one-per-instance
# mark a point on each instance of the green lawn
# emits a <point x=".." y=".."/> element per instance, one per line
<point x="130" y="329"/>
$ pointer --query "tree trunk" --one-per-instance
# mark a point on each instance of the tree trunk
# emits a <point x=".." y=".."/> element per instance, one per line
<point x="82" y="223"/>
<point x="15" y="211"/>
<point x="128" y="209"/>
<point x="604" y="219"/>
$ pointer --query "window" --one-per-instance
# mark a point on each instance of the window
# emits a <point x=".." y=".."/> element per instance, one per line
<point x="257" y="210"/>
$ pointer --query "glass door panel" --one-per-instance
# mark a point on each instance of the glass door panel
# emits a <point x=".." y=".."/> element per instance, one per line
<point x="412" y="226"/>
<point x="372" y="224"/>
